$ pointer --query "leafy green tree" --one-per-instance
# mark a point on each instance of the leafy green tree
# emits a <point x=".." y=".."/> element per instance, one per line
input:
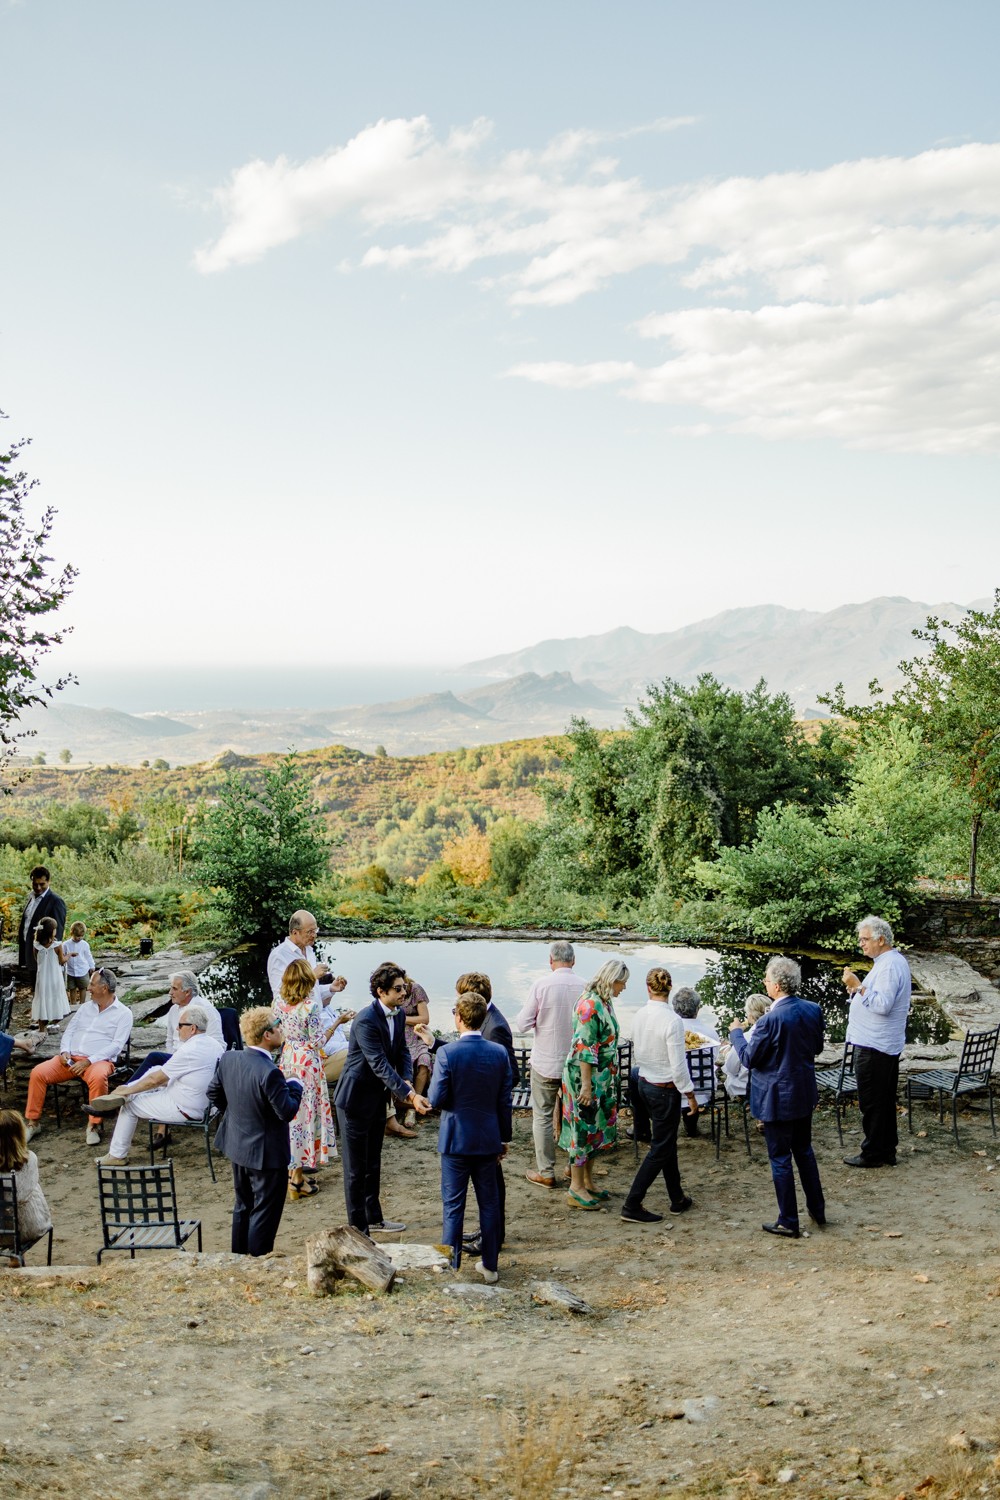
<point x="263" y="846"/>
<point x="65" y="756"/>
<point x="29" y="592"/>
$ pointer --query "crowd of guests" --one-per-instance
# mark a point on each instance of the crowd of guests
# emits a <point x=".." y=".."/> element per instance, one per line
<point x="312" y="1073"/>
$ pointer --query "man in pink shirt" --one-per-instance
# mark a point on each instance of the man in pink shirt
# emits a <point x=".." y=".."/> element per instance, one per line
<point x="549" y="1014"/>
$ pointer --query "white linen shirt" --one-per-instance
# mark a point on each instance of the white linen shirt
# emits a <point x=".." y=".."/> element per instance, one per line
<point x="214" y="1028"/>
<point x="879" y="1008"/>
<point x="79" y="959"/>
<point x="658" y="1046"/>
<point x="98" y="1034"/>
<point x="339" y="1042"/>
<point x="549" y="1014"/>
<point x="189" y="1072"/>
<point x="286" y="953"/>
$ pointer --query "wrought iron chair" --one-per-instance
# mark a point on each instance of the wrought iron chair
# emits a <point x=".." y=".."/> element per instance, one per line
<point x="209" y="1120"/>
<point x="521" y="1096"/>
<point x="701" y="1066"/>
<point x="139" y="1210"/>
<point x="840" y="1080"/>
<point x="974" y="1075"/>
<point x="624" y="1069"/>
<point x="743" y="1101"/>
<point x="12" y="1242"/>
<point x="6" y="1012"/>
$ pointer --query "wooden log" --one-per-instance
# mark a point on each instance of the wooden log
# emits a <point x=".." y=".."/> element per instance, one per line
<point x="335" y="1253"/>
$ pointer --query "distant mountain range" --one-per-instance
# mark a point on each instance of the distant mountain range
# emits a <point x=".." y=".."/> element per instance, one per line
<point x="536" y="691"/>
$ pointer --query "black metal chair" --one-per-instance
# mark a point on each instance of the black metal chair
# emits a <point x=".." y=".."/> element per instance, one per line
<point x="743" y="1102"/>
<point x="841" y="1082"/>
<point x="624" y="1069"/>
<point x="205" y="1123"/>
<point x="12" y="1242"/>
<point x="701" y="1066"/>
<point x="139" y="1210"/>
<point x="974" y="1075"/>
<point x="119" y="1074"/>
<point x="521" y="1096"/>
<point x="6" y="1012"/>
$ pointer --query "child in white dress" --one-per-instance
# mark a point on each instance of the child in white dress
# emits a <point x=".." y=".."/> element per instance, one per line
<point x="49" y="1001"/>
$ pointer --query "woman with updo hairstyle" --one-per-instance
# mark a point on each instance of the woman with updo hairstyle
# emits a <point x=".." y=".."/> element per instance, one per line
<point x="735" y="1075"/>
<point x="311" y="1132"/>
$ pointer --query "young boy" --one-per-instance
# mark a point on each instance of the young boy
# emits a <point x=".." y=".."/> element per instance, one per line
<point x="79" y="963"/>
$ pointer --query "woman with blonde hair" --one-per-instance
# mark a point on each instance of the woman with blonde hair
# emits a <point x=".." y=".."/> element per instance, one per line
<point x="311" y="1132"/>
<point x="735" y="1075"/>
<point x="588" y="1099"/>
<point x="33" y="1215"/>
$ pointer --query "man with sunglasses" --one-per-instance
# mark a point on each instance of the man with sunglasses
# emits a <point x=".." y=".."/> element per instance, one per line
<point x="378" y="1067"/>
<point x="258" y="1102"/>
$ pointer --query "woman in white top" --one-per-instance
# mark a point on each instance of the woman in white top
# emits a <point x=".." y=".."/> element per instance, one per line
<point x="33" y="1215"/>
<point x="49" y="1001"/>
<point x="736" y="1075"/>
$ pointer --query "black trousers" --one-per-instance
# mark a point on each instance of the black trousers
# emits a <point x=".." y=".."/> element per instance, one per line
<point x="788" y="1141"/>
<point x="260" y="1199"/>
<point x="663" y="1107"/>
<point x="640" y="1114"/>
<point x="878" y="1079"/>
<point x="361" y="1147"/>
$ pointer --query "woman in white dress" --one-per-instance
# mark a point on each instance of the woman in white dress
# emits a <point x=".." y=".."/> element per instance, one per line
<point x="735" y="1074"/>
<point x="49" y="1001"/>
<point x="33" y="1215"/>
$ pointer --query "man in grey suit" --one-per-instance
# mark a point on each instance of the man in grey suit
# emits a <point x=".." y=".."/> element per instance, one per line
<point x="258" y="1101"/>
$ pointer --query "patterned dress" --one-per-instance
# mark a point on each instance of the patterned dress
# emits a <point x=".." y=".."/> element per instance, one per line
<point x="595" y="1041"/>
<point x="311" y="1131"/>
<point x="419" y="1051"/>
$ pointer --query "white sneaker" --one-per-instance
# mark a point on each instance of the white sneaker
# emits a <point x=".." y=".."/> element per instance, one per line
<point x="34" y="1128"/>
<point x="94" y="1136"/>
<point x="112" y="1161"/>
<point x="490" y="1277"/>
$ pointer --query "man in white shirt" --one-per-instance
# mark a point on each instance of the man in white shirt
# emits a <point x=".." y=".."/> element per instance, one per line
<point x="876" y="1024"/>
<point x="549" y="1014"/>
<point x="93" y="1039"/>
<point x="658" y="1053"/>
<point x="170" y="1094"/>
<point x="302" y="931"/>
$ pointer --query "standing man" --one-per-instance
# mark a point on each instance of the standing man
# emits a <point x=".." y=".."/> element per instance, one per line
<point x="661" y="1062"/>
<point x="493" y="1029"/>
<point x="258" y="1101"/>
<point x="781" y="1055"/>
<point x="472" y="1085"/>
<point x="876" y="1025"/>
<point x="378" y="1067"/>
<point x="96" y="1034"/>
<point x="302" y="931"/>
<point x="549" y="1014"/>
<point x="42" y="903"/>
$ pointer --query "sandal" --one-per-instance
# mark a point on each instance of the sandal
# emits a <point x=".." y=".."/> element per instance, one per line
<point x="601" y="1193"/>
<point x="298" y="1190"/>
<point x="576" y="1201"/>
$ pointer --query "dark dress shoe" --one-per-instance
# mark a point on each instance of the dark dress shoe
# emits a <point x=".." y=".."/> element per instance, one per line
<point x="682" y="1207"/>
<point x="783" y="1231"/>
<point x="863" y="1161"/>
<point x="640" y="1215"/>
<point x="472" y="1244"/>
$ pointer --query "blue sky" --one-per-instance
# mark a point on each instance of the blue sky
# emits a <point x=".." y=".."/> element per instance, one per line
<point x="418" y="332"/>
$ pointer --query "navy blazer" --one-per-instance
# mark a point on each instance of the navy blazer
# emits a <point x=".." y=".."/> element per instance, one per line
<point x="781" y="1056"/>
<point x="496" y="1029"/>
<point x="471" y="1085"/>
<point x="258" y="1101"/>
<point x="378" y="1063"/>
<point x="49" y="905"/>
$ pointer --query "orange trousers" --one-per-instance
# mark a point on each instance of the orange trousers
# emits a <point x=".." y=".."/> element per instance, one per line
<point x="55" y="1071"/>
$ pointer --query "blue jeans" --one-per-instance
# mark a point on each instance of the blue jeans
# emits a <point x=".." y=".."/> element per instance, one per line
<point x="789" y="1140"/>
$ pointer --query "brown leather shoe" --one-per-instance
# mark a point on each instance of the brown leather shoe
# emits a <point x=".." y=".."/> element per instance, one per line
<point x="541" y="1178"/>
<point x="393" y="1127"/>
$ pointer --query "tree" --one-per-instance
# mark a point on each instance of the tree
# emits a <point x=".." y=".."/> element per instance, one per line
<point x="28" y="593"/>
<point x="263" y="846"/>
<point x="65" y="756"/>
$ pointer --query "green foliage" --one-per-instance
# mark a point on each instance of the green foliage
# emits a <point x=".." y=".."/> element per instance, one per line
<point x="263" y="846"/>
<point x="514" y="846"/>
<point x="28" y="592"/>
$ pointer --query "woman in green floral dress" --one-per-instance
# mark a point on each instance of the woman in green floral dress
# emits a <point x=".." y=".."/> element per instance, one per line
<point x="588" y="1098"/>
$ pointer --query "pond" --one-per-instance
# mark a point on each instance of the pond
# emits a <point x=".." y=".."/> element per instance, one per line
<point x="723" y="979"/>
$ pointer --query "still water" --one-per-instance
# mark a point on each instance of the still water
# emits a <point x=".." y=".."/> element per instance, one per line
<point x="723" y="980"/>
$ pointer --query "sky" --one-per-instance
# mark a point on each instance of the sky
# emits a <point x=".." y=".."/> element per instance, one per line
<point x="416" y="333"/>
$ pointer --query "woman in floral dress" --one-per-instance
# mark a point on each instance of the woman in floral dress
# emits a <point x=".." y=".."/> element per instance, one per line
<point x="588" y="1098"/>
<point x="311" y="1132"/>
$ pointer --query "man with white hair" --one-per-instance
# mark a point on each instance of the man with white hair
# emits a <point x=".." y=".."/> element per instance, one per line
<point x="170" y="1094"/>
<point x="880" y="1004"/>
<point x="549" y="1014"/>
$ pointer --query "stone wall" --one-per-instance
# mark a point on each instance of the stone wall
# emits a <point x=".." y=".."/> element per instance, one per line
<point x="967" y="927"/>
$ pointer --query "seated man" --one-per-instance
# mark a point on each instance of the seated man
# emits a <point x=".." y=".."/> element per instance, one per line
<point x="699" y="1035"/>
<point x="170" y="1094"/>
<point x="93" y="1039"/>
<point x="183" y="992"/>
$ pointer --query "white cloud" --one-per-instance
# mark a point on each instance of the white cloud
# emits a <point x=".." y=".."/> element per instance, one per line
<point x="860" y="301"/>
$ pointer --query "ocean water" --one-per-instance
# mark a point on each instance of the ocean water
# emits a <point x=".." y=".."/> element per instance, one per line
<point x="164" y="689"/>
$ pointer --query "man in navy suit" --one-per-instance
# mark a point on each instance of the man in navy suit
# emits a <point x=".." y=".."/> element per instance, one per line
<point x="258" y="1101"/>
<point x="471" y="1086"/>
<point x="43" y="903"/>
<point x="781" y="1057"/>
<point x="378" y="1066"/>
<point x="494" y="1029"/>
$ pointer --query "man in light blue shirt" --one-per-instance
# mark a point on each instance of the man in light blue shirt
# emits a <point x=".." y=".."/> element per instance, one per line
<point x="880" y="1005"/>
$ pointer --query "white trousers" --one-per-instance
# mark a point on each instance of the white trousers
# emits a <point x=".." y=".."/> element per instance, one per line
<point x="151" y="1104"/>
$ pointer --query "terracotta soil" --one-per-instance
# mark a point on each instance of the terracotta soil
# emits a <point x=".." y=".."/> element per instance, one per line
<point x="861" y="1359"/>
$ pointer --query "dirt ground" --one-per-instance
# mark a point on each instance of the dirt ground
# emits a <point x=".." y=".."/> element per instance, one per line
<point x="858" y="1361"/>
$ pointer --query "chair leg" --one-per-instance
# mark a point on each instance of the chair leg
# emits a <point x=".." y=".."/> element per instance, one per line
<point x="989" y="1095"/>
<point x="208" y="1148"/>
<point x="746" y="1124"/>
<point x="954" y="1116"/>
<point x="909" y="1108"/>
<point x="840" y="1128"/>
<point x="48" y="1258"/>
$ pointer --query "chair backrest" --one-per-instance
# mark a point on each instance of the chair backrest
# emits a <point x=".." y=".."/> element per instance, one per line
<point x="231" y="1034"/>
<point x="978" y="1052"/>
<point x="521" y="1094"/>
<point x="137" y="1195"/>
<point x="701" y="1066"/>
<point x="847" y="1063"/>
<point x="10" y="1230"/>
<point x="6" y="1005"/>
<point x="624" y="1058"/>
